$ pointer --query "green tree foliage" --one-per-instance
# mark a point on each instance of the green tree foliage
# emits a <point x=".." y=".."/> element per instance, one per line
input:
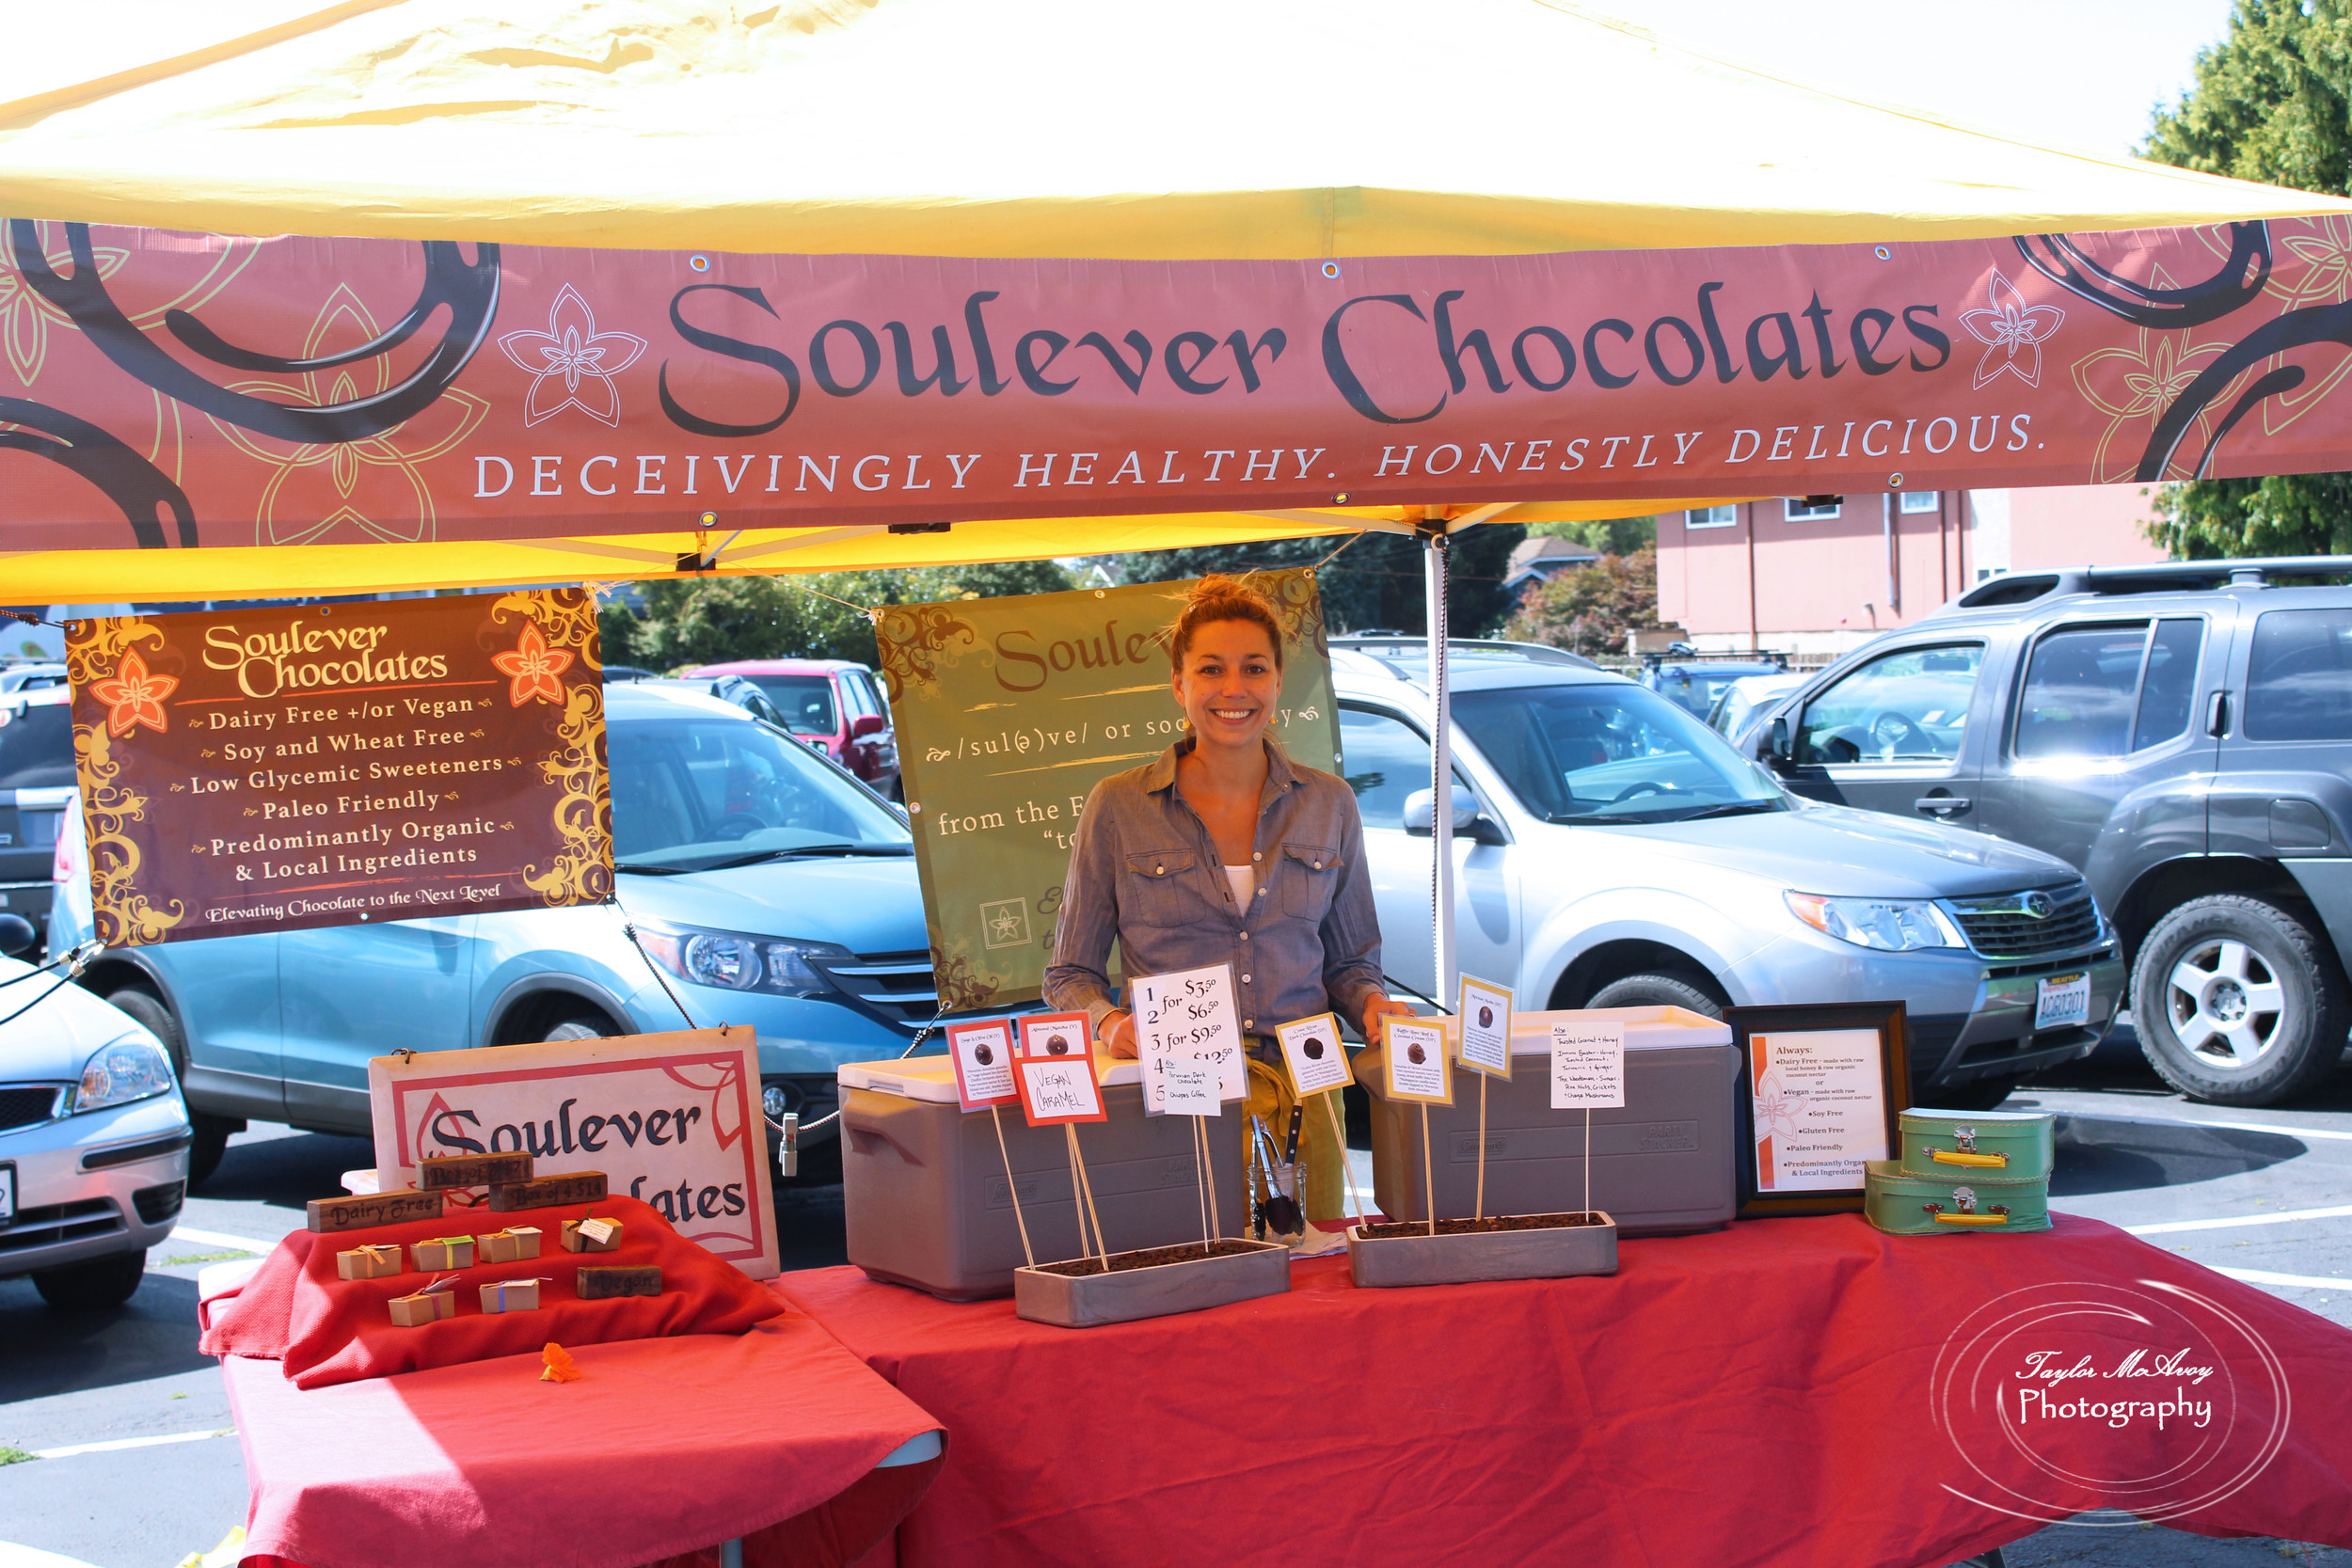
<point x="1589" y="610"/>
<point x="2273" y="102"/>
<point x="1376" y="582"/>
<point x="691" y="621"/>
<point x="1614" y="537"/>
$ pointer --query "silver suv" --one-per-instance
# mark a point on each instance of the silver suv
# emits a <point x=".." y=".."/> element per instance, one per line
<point x="1615" y="851"/>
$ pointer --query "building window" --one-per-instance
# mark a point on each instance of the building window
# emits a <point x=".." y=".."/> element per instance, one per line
<point x="1800" y="512"/>
<point x="1922" y="500"/>
<point x="1710" y="517"/>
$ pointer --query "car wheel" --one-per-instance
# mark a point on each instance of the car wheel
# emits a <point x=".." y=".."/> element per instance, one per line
<point x="588" y="1026"/>
<point x="212" y="1132"/>
<point x="94" y="1286"/>
<point x="1983" y="1094"/>
<point x="2238" y="1002"/>
<point x="1656" y="991"/>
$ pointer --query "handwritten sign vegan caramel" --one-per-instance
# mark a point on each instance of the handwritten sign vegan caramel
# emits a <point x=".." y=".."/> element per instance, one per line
<point x="328" y="764"/>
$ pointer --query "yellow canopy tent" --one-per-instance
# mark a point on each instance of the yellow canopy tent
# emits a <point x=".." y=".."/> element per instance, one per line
<point x="1234" y="129"/>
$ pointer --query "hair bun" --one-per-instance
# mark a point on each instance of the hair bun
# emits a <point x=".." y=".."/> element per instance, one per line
<point x="1222" y="598"/>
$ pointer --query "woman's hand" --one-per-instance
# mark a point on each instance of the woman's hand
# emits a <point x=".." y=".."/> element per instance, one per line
<point x="1378" y="1008"/>
<point x="1120" y="1036"/>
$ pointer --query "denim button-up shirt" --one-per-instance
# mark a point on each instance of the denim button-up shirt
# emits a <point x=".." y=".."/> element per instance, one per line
<point x="1144" y="869"/>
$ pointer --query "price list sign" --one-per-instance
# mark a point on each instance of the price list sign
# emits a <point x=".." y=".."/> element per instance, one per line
<point x="328" y="765"/>
<point x="1190" y="1045"/>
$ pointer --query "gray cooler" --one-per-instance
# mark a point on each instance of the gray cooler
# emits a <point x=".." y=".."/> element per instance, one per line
<point x="1662" y="1164"/>
<point x="923" y="1186"/>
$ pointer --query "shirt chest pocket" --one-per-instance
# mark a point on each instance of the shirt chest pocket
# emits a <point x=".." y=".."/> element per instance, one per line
<point x="1309" y="876"/>
<point x="1157" y="890"/>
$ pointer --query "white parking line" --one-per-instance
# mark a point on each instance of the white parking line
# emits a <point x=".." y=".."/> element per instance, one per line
<point x="69" y="1450"/>
<point x="2308" y="1281"/>
<point x="2282" y="1217"/>
<point x="220" y="1238"/>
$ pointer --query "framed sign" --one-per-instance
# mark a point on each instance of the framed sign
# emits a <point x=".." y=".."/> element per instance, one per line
<point x="332" y="765"/>
<point x="1056" y="1035"/>
<point x="671" y="1120"/>
<point x="1057" y="1090"/>
<point x="1184" y="1021"/>
<point x="1415" y="1062"/>
<point x="1820" y="1089"/>
<point x="1486" y="1015"/>
<point x="1312" y="1056"/>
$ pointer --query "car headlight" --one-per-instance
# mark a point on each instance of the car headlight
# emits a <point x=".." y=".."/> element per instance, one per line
<point x="1887" y="924"/>
<point x="735" y="961"/>
<point x="130" y="1068"/>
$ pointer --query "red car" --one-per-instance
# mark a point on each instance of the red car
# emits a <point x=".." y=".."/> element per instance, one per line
<point x="836" y="706"/>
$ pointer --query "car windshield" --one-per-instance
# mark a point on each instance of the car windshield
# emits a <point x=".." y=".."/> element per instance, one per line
<point x="1607" y="752"/>
<point x="694" y="793"/>
<point x="805" y="702"/>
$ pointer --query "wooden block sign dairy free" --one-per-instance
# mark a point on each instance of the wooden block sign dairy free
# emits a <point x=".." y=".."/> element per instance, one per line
<point x="1188" y="1040"/>
<point x="672" y="1120"/>
<point x="1588" y="1066"/>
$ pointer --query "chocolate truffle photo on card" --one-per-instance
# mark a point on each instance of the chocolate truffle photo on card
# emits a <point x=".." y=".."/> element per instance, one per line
<point x="1054" y="1035"/>
<point x="1311" y="1051"/>
<point x="982" y="1054"/>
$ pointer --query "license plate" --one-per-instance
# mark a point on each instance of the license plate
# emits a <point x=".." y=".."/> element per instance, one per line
<point x="2061" y="1002"/>
<point x="8" y="1194"/>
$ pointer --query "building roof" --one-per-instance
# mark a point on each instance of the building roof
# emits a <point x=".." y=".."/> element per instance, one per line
<point x="1541" y="556"/>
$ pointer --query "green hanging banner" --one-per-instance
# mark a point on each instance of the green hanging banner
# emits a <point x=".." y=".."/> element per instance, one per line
<point x="1010" y="710"/>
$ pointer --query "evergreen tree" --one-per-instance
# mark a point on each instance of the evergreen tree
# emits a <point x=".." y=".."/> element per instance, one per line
<point x="1376" y="582"/>
<point x="2273" y="102"/>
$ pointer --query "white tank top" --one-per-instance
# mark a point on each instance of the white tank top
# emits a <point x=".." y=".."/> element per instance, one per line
<point x="1245" y="882"/>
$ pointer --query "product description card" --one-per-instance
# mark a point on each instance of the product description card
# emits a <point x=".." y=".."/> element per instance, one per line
<point x="983" y="1058"/>
<point x="1057" y="1090"/>
<point x="1311" y="1052"/>
<point x="1416" y="1063"/>
<point x="1188" y="1018"/>
<point x="1054" y="1035"/>
<point x="1588" y="1066"/>
<point x="1820" y="1103"/>
<point x="1485" y="1028"/>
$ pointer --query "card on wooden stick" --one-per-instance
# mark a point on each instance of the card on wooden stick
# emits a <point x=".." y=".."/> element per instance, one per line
<point x="1486" y="1015"/>
<point x="1189" y="1016"/>
<point x="1054" y="1035"/>
<point x="1415" y="1062"/>
<point x="1055" y="1091"/>
<point x="1588" y="1065"/>
<point x="1312" y="1056"/>
<point x="983" y="1056"/>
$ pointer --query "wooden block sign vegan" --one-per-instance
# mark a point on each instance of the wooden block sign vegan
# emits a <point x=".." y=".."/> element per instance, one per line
<point x="325" y="765"/>
<point x="671" y="1120"/>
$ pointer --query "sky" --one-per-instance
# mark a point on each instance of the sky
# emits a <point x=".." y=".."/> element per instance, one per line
<point x="2064" y="73"/>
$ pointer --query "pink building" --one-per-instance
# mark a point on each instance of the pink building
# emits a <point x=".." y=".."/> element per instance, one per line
<point x="1819" y="579"/>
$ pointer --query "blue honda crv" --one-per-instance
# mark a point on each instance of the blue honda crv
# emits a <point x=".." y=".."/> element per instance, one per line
<point x="770" y="887"/>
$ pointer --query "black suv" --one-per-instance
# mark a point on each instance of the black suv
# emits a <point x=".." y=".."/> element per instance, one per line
<point x="2181" y="732"/>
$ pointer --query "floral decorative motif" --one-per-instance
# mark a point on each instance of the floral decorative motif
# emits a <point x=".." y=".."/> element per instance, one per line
<point x="533" y="667"/>
<point x="914" y="642"/>
<point x="134" y="696"/>
<point x="962" y="986"/>
<point x="121" y="913"/>
<point x="25" y="318"/>
<point x="2324" y="249"/>
<point x="405" y="513"/>
<point x="564" y="621"/>
<point x="2012" y="332"/>
<point x="573" y="359"/>
<point x="2134" y="388"/>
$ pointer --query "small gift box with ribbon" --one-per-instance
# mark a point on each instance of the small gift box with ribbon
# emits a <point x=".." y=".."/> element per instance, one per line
<point x="375" y="1261"/>
<point x="515" y="1244"/>
<point x="511" y="1295"/>
<point x="430" y="1304"/>
<point x="590" y="1235"/>
<point x="443" y="1252"/>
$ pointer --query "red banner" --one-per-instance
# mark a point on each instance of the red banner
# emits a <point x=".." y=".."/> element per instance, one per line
<point x="175" y="389"/>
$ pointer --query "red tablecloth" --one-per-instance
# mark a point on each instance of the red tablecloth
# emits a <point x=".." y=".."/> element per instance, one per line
<point x="1757" y="1396"/>
<point x="662" y="1447"/>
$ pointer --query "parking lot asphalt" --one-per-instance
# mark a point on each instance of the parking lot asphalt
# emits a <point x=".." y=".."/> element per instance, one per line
<point x="140" y="1467"/>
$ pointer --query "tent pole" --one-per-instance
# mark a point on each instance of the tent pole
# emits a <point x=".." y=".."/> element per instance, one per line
<point x="1441" y="768"/>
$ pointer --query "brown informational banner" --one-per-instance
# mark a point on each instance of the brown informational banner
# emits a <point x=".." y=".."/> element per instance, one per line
<point x="174" y="390"/>
<point x="325" y="765"/>
<point x="1010" y="710"/>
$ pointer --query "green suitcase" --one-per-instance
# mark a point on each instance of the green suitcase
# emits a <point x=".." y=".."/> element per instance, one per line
<point x="2001" y="1146"/>
<point x="1906" y="1205"/>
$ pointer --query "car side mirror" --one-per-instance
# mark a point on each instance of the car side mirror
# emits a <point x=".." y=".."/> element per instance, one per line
<point x="16" y="935"/>
<point x="1420" y="816"/>
<point x="866" y="725"/>
<point x="1778" y="746"/>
